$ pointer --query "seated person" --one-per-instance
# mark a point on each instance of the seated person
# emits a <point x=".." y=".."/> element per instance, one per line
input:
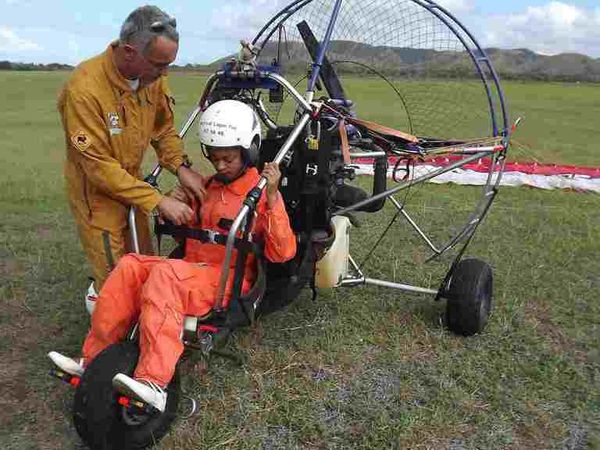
<point x="159" y="292"/>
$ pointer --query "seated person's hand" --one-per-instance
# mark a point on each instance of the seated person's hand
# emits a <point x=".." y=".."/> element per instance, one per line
<point x="174" y="210"/>
<point x="182" y="194"/>
<point x="272" y="173"/>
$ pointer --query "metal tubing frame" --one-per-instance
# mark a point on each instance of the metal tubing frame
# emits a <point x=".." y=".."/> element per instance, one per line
<point x="410" y="183"/>
<point x="376" y="154"/>
<point x="474" y="220"/>
<point x="351" y="281"/>
<point x="285" y="83"/>
<point x="401" y="287"/>
<point x="432" y="6"/>
<point x="443" y="15"/>
<point x="412" y="223"/>
<point x="323" y="49"/>
<point x="450" y="21"/>
<point x="133" y="230"/>
<point x="241" y="217"/>
<point x="499" y="161"/>
<point x="489" y="79"/>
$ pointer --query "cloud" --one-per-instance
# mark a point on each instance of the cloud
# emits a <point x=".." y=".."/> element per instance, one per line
<point x="242" y="19"/>
<point x="457" y="6"/>
<point x="223" y="27"/>
<point x="549" y="28"/>
<point x="74" y="49"/>
<point x="11" y="43"/>
<point x="555" y="27"/>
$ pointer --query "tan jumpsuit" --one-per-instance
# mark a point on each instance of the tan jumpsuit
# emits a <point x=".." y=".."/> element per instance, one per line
<point x="108" y="128"/>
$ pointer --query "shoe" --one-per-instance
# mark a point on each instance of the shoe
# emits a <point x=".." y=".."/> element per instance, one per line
<point x="66" y="364"/>
<point x="90" y="299"/>
<point x="145" y="391"/>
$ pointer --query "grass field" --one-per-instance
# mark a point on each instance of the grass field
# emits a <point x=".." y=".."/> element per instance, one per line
<point x="359" y="368"/>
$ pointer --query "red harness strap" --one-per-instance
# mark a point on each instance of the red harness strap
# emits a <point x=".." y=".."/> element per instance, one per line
<point x="344" y="141"/>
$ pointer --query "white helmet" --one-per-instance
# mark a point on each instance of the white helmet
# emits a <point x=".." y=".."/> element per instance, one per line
<point x="231" y="123"/>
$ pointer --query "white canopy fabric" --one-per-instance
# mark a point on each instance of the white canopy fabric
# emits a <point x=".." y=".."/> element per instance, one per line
<point x="542" y="176"/>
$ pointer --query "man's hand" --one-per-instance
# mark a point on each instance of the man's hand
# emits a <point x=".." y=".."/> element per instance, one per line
<point x="177" y="212"/>
<point x="272" y="173"/>
<point x="192" y="181"/>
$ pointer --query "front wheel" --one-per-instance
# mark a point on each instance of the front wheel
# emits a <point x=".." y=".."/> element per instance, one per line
<point x="469" y="295"/>
<point x="101" y="421"/>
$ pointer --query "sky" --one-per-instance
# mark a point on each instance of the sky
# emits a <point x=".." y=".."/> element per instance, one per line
<point x="70" y="31"/>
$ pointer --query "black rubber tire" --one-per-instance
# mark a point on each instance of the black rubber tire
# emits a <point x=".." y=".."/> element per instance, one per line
<point x="99" y="419"/>
<point x="469" y="297"/>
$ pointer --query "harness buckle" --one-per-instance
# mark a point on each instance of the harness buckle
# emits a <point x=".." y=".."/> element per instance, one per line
<point x="212" y="236"/>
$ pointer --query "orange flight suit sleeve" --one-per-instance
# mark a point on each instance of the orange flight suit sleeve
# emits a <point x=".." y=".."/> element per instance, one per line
<point x="280" y="240"/>
<point x="89" y="145"/>
<point x="166" y="140"/>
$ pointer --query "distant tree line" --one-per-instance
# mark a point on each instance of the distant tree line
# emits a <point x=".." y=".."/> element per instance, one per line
<point x="365" y="60"/>
<point x="8" y="65"/>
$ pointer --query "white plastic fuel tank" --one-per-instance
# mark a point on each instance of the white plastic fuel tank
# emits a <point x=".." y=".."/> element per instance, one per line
<point x="333" y="266"/>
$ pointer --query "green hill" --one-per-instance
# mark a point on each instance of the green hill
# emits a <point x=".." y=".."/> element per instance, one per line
<point x="411" y="62"/>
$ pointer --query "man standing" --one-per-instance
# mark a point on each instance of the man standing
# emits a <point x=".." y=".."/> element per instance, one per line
<point x="113" y="106"/>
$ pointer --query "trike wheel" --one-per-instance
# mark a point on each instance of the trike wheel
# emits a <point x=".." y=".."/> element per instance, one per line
<point x="469" y="297"/>
<point x="99" y="419"/>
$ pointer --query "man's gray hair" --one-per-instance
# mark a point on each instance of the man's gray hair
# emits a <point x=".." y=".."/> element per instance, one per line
<point x="145" y="24"/>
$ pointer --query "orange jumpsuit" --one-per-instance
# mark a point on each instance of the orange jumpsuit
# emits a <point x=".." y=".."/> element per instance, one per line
<point x="160" y="292"/>
<point x="108" y="128"/>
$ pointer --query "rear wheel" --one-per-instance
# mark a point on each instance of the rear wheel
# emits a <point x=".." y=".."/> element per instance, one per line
<point x="469" y="297"/>
<point x="104" y="424"/>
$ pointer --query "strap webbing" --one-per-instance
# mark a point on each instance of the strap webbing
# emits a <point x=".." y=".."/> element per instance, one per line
<point x="344" y="142"/>
<point x="206" y="236"/>
<point x="382" y="129"/>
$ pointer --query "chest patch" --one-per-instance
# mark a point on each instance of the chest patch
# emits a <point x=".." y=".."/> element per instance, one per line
<point x="113" y="123"/>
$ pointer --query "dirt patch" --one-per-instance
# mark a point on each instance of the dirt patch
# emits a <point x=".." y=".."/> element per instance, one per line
<point x="538" y="315"/>
<point x="436" y="437"/>
<point x="28" y="404"/>
<point x="526" y="438"/>
<point x="538" y="434"/>
<point x="538" y="429"/>
<point x="44" y="231"/>
<point x="10" y="267"/>
<point x="421" y="346"/>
